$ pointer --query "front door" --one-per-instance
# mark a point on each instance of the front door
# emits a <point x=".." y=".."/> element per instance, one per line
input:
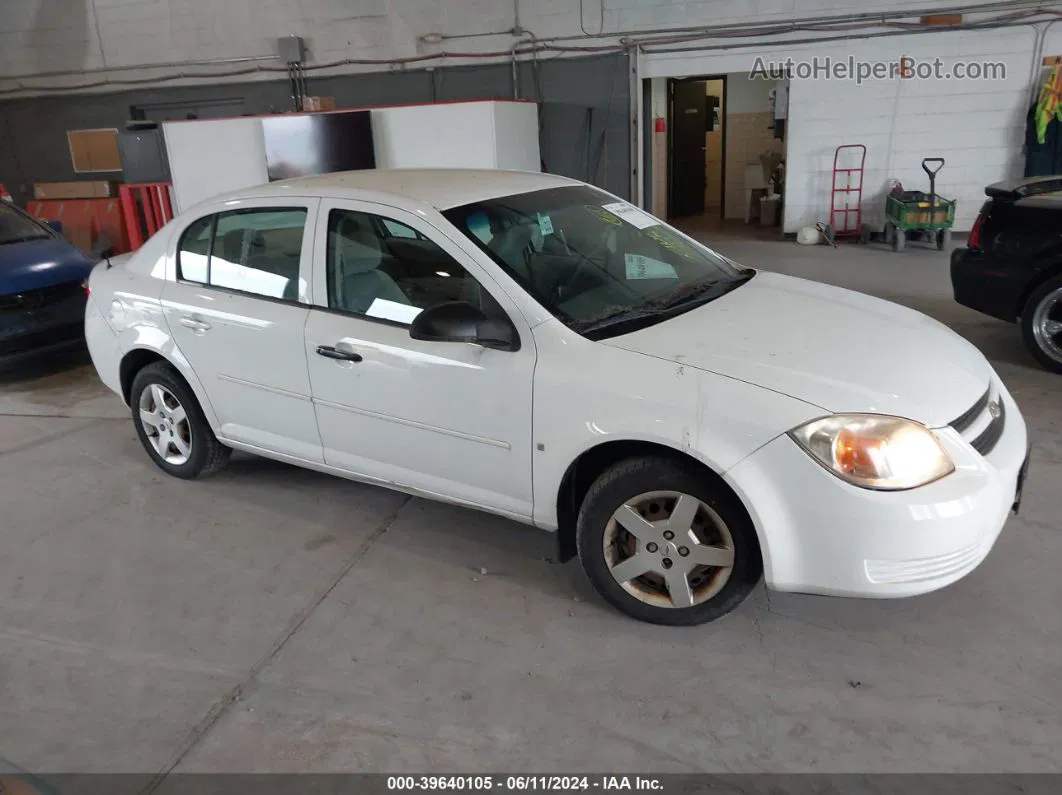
<point x="450" y="419"/>
<point x="237" y="312"/>
<point x="689" y="126"/>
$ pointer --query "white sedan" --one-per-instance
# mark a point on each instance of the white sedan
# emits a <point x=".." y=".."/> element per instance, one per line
<point x="531" y="346"/>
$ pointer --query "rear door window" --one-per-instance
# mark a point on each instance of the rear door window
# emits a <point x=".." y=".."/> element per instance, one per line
<point x="256" y="251"/>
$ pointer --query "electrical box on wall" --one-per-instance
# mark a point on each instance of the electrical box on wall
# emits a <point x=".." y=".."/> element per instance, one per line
<point x="291" y="49"/>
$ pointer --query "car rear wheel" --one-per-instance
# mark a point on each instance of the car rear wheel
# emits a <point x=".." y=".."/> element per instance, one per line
<point x="662" y="543"/>
<point x="171" y="424"/>
<point x="1041" y="324"/>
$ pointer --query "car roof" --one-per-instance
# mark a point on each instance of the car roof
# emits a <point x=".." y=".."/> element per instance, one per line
<point x="440" y="188"/>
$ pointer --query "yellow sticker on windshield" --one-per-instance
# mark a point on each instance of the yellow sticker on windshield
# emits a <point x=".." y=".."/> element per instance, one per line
<point x="672" y="243"/>
<point x="604" y="215"/>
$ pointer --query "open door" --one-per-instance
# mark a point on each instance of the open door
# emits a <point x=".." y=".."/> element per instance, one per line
<point x="688" y="106"/>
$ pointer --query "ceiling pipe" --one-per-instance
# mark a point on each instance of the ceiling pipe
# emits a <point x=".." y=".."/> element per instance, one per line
<point x="706" y="30"/>
<point x="657" y="45"/>
<point x="880" y="17"/>
<point x="847" y="37"/>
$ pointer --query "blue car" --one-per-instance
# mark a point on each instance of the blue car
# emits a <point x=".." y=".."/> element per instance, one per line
<point x="43" y="283"/>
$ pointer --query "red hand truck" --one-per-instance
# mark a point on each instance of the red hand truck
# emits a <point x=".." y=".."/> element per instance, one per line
<point x="846" y="194"/>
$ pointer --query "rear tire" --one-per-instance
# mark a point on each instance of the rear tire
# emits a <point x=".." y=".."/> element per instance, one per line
<point x="943" y="240"/>
<point x="1041" y="324"/>
<point x="695" y="556"/>
<point x="171" y="424"/>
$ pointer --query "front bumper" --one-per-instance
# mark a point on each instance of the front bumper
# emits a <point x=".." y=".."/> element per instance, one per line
<point x="821" y="535"/>
<point x="26" y="334"/>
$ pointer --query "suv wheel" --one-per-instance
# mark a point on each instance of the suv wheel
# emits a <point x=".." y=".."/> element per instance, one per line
<point x="1041" y="324"/>
<point x="171" y="425"/>
<point x="663" y="544"/>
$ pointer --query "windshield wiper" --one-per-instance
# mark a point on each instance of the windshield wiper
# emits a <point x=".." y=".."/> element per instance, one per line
<point x="616" y="318"/>
<point x="683" y="298"/>
<point x="707" y="291"/>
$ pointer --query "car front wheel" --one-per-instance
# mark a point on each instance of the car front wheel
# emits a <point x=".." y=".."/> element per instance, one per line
<point x="1041" y="324"/>
<point x="171" y="425"/>
<point x="663" y="543"/>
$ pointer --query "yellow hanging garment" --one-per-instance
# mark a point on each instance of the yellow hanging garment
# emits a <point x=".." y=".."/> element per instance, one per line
<point x="1049" y="103"/>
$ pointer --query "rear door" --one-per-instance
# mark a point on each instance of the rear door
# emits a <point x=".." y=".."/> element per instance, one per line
<point x="237" y="311"/>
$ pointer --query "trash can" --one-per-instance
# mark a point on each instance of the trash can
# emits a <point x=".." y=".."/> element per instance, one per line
<point x="769" y="206"/>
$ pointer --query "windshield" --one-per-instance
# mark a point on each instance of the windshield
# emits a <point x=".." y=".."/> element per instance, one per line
<point x="17" y="228"/>
<point x="603" y="267"/>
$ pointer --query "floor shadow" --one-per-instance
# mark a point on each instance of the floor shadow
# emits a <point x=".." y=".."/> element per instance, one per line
<point x="24" y="374"/>
<point x="441" y="530"/>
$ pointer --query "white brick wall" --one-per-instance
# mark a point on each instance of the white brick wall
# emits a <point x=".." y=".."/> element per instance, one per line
<point x="61" y="35"/>
<point x="978" y="127"/>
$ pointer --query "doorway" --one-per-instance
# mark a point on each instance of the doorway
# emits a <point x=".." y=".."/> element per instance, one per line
<point x="696" y="125"/>
<point x="725" y="154"/>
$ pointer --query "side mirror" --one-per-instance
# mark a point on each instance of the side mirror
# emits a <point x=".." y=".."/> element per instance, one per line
<point x="55" y="226"/>
<point x="461" y="322"/>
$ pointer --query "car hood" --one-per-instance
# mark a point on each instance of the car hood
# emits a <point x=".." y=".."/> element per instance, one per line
<point x="837" y="349"/>
<point x="40" y="263"/>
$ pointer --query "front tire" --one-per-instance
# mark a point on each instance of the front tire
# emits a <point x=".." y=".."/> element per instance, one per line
<point x="662" y="543"/>
<point x="1041" y="324"/>
<point x="171" y="425"/>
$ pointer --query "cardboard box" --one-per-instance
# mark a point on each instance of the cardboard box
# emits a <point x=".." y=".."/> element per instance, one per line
<point x="80" y="236"/>
<point x="318" y="103"/>
<point x="98" y="189"/>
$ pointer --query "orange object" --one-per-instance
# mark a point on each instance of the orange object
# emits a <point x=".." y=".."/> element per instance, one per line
<point x="146" y="208"/>
<point x="84" y="189"/>
<point x="85" y="221"/>
<point x="942" y="19"/>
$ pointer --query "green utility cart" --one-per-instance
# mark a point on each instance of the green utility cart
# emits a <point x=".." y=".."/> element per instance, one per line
<point x="914" y="214"/>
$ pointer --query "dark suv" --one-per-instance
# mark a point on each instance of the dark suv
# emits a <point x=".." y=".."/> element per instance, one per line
<point x="1011" y="266"/>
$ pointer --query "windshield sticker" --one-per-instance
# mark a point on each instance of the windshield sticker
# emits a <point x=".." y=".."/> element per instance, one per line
<point x="639" y="267"/>
<point x="545" y="225"/>
<point x="672" y="243"/>
<point x="479" y="225"/>
<point x="604" y="215"/>
<point x="632" y="215"/>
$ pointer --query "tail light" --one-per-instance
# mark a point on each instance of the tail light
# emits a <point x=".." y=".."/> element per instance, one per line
<point x="87" y="289"/>
<point x="974" y="241"/>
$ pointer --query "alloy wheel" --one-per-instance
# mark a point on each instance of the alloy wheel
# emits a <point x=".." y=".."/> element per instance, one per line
<point x="669" y="549"/>
<point x="1047" y="325"/>
<point x="165" y="423"/>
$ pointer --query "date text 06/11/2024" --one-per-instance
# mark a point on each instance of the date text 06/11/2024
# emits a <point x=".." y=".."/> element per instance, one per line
<point x="516" y="783"/>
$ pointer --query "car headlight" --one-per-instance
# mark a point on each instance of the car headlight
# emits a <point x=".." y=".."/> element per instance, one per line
<point x="875" y="451"/>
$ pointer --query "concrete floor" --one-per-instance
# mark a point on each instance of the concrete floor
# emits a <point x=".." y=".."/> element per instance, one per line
<point x="273" y="619"/>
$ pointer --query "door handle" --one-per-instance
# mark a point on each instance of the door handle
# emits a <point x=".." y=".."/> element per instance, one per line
<point x="195" y="324"/>
<point x="331" y="353"/>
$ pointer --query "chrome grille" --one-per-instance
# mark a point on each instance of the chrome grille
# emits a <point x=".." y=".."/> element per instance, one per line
<point x="970" y="417"/>
<point x="983" y="423"/>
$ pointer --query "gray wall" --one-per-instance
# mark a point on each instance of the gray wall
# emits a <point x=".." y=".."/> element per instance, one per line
<point x="584" y="111"/>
